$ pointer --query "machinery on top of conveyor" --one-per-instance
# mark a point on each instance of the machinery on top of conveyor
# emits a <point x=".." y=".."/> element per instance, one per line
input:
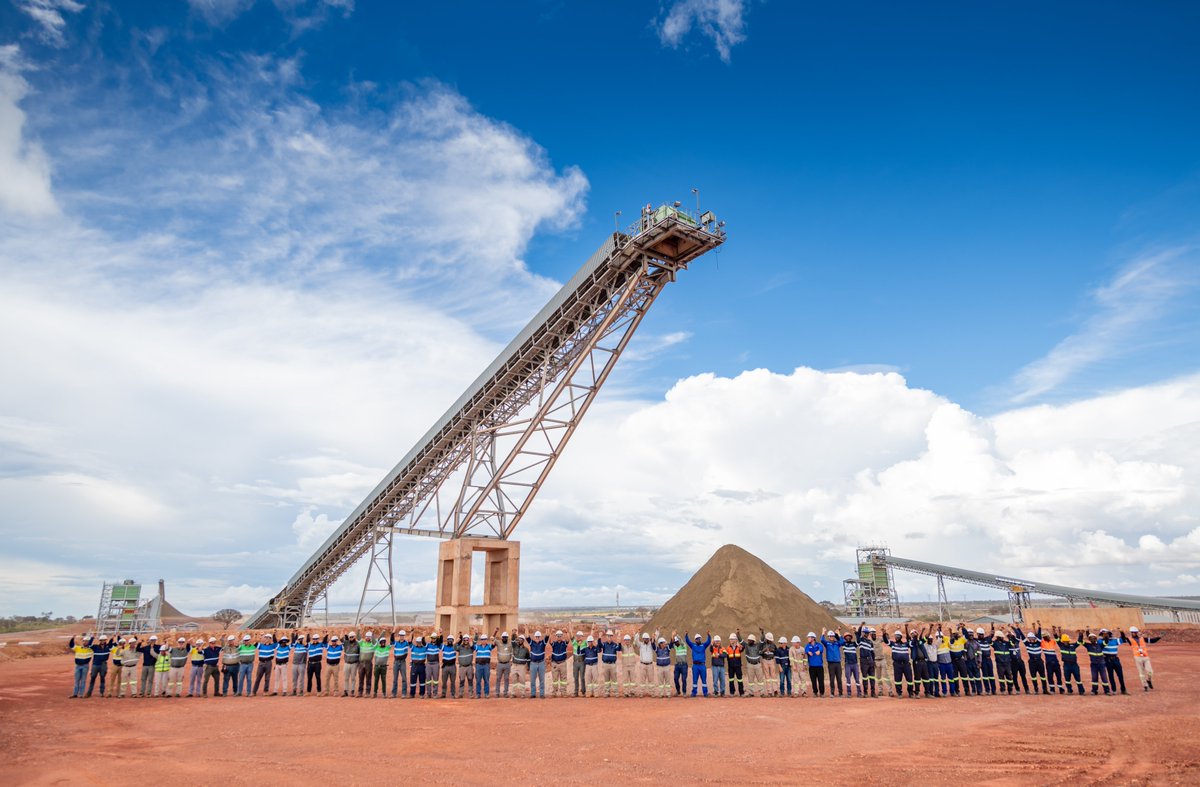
<point x="472" y="476"/>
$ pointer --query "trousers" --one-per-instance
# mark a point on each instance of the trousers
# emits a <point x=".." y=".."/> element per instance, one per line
<point x="718" y="681"/>
<point x="520" y="678"/>
<point x="449" y="679"/>
<point x="785" y="680"/>
<point x="229" y="680"/>
<point x="736" y="684"/>
<point x="314" y="676"/>
<point x="416" y="679"/>
<point x="81" y="672"/>
<point x="1099" y="675"/>
<point x="1144" y="669"/>
<point x="868" y="670"/>
<point x="902" y="669"/>
<point x="400" y="676"/>
<point x="262" y="676"/>
<point x="699" y="679"/>
<point x="853" y="677"/>
<point x="835" y="677"/>
<point x="279" y="674"/>
<point x="244" y="672"/>
<point x="503" y="673"/>
<point x="1054" y="678"/>
<point x="97" y="670"/>
<point x="608" y="676"/>
<point x="537" y="679"/>
<point x="680" y="678"/>
<point x="333" y="681"/>
<point x="433" y="675"/>
<point x="987" y="673"/>
<point x="1115" y="672"/>
<point x="816" y="676"/>
<point x="299" y="670"/>
<point x="1071" y="671"/>
<point x="483" y="677"/>
<point x="558" y="678"/>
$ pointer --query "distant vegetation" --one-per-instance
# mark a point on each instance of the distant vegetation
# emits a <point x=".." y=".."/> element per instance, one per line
<point x="34" y="622"/>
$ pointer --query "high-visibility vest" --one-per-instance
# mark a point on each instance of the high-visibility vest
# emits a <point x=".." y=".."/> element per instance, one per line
<point x="1140" y="646"/>
<point x="1049" y="648"/>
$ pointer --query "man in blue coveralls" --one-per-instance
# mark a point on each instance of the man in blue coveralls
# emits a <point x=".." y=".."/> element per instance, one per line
<point x="699" y="668"/>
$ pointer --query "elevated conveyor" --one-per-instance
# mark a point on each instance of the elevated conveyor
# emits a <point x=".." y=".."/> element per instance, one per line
<point x="476" y="470"/>
<point x="1019" y="590"/>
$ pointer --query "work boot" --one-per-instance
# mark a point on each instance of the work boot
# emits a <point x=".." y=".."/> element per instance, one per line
<point x="1149" y="683"/>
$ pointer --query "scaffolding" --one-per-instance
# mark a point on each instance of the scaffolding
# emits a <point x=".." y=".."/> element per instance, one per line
<point x="873" y="592"/>
<point x="123" y="612"/>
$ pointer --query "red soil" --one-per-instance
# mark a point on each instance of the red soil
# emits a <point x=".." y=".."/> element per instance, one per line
<point x="1141" y="739"/>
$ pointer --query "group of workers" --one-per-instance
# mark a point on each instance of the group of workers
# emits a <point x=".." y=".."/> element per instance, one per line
<point x="863" y="662"/>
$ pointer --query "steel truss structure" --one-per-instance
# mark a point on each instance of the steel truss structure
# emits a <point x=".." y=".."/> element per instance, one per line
<point x="1020" y="590"/>
<point x="873" y="592"/>
<point x="480" y="466"/>
<point x="123" y="611"/>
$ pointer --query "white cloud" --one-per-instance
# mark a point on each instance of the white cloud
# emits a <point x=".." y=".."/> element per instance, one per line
<point x="722" y="21"/>
<point x="301" y="15"/>
<point x="49" y="16"/>
<point x="24" y="168"/>
<point x="1137" y="296"/>
<point x="801" y="468"/>
<point x="217" y="348"/>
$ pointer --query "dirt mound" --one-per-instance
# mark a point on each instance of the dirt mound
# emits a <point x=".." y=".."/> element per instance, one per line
<point x="169" y="611"/>
<point x="735" y="589"/>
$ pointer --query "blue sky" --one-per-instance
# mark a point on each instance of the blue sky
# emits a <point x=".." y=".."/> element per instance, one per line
<point x="322" y="218"/>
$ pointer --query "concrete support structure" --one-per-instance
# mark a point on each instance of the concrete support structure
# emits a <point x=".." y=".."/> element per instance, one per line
<point x="501" y="573"/>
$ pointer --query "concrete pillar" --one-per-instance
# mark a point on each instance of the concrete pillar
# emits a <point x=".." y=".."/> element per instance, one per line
<point x="454" y="610"/>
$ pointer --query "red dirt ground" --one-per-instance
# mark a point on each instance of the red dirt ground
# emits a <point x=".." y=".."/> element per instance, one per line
<point x="1152" y="738"/>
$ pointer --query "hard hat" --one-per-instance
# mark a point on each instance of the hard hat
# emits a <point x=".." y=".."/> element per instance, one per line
<point x="559" y="633"/>
<point x="591" y="638"/>
<point x="503" y="633"/>
<point x="716" y="638"/>
<point x="155" y="636"/>
<point x="369" y="634"/>
<point x="103" y="637"/>
<point x="607" y="633"/>
<point x="230" y="638"/>
<point x="979" y="630"/>
<point x="733" y="636"/>
<point x="751" y="638"/>
<point x="214" y="639"/>
<point x="537" y="635"/>
<point x="334" y="638"/>
<point x="1133" y="629"/>
<point x="811" y="636"/>
<point x="899" y="633"/>
<point x="403" y="633"/>
<point x="770" y="637"/>
<point x="628" y="637"/>
<point x="355" y="635"/>
<point x="245" y="638"/>
<point x="1104" y="630"/>
<point x="662" y="641"/>
<point x="579" y="633"/>
<point x="482" y="636"/>
<point x="647" y="636"/>
<point x="181" y="639"/>
<point x="1064" y="638"/>
<point x="1031" y="635"/>
<point x="122" y="641"/>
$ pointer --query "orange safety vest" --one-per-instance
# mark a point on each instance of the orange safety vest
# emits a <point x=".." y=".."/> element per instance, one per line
<point x="734" y="651"/>
<point x="1140" y="646"/>
<point x="1049" y="648"/>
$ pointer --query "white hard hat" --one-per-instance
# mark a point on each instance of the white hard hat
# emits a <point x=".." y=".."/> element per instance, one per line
<point x="979" y="630"/>
<point x="419" y="638"/>
<point x="628" y="637"/>
<point x="1031" y="635"/>
<point x="579" y="633"/>
<point x="334" y="638"/>
<point x="230" y="638"/>
<point x="591" y="638"/>
<point x="752" y="638"/>
<point x="210" y="639"/>
<point x="103" y="637"/>
<point x="770" y="636"/>
<point x="483" y="636"/>
<point x="811" y="635"/>
<point x="662" y="641"/>
<point x="402" y="633"/>
<point x="733" y="636"/>
<point x="1133" y="629"/>
<point x="245" y="638"/>
<point x="537" y="635"/>
<point x="181" y="639"/>
<point x="716" y="638"/>
<point x="559" y="633"/>
<point x="153" y="636"/>
<point x="122" y="640"/>
<point x="899" y="633"/>
<point x="647" y="636"/>
<point x="503" y="633"/>
<point x="369" y="634"/>
<point x="608" y="633"/>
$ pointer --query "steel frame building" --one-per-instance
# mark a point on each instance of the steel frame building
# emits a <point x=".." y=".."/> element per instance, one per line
<point x="476" y="471"/>
<point x="873" y="592"/>
<point x="122" y="610"/>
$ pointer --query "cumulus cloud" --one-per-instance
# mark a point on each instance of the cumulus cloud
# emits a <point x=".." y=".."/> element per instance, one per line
<point x="721" y="21"/>
<point x="1138" y="296"/>
<point x="24" y="168"/>
<point x="48" y="14"/>
<point x="801" y="468"/>
<point x="234" y="333"/>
